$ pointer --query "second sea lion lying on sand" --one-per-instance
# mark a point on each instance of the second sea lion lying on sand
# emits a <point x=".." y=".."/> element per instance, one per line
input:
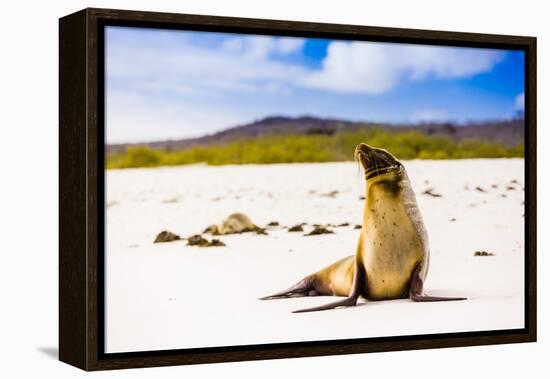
<point x="235" y="223"/>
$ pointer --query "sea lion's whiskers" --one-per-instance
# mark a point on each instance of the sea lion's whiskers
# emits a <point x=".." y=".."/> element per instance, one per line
<point x="359" y="182"/>
<point x="375" y="161"/>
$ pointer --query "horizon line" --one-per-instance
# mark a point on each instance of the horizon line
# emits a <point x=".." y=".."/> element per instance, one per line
<point x="418" y="123"/>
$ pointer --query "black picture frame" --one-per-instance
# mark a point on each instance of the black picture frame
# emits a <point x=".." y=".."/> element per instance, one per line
<point x="81" y="184"/>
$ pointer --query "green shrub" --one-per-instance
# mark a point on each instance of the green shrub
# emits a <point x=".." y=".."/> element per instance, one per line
<point x="313" y="148"/>
<point x="136" y="156"/>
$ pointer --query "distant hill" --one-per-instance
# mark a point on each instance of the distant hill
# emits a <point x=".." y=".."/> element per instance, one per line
<point x="506" y="132"/>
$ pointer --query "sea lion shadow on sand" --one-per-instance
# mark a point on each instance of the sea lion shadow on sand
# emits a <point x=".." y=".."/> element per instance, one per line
<point x="392" y="256"/>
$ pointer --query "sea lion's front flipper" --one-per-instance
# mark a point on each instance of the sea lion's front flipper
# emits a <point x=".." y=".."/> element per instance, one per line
<point x="359" y="280"/>
<point x="305" y="287"/>
<point x="416" y="289"/>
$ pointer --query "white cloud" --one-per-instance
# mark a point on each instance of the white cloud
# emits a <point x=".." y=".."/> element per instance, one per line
<point x="261" y="47"/>
<point x="369" y="67"/>
<point x="168" y="87"/>
<point x="520" y="101"/>
<point x="238" y="64"/>
<point x="256" y="48"/>
<point x="288" y="45"/>
<point x="247" y="64"/>
<point x="132" y="117"/>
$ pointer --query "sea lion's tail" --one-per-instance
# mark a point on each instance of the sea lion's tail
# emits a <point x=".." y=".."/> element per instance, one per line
<point x="305" y="287"/>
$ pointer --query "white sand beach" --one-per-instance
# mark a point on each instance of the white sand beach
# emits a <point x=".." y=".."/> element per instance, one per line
<point x="170" y="295"/>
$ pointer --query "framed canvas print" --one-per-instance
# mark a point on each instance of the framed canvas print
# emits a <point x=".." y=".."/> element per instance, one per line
<point x="239" y="189"/>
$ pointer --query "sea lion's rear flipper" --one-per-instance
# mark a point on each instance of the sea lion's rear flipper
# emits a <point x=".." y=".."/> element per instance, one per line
<point x="359" y="279"/>
<point x="416" y="290"/>
<point x="305" y="287"/>
<point x="421" y="298"/>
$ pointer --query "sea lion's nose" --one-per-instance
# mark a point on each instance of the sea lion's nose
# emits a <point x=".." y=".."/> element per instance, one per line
<point x="362" y="149"/>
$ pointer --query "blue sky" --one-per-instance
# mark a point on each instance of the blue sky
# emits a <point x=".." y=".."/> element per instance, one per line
<point x="164" y="84"/>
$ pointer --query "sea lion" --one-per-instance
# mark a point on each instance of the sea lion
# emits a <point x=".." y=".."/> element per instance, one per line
<point x="392" y="256"/>
<point x="235" y="223"/>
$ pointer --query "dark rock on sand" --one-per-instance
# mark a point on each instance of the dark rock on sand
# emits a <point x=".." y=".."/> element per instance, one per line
<point x="330" y="194"/>
<point x="430" y="192"/>
<point x="319" y="230"/>
<point x="357" y="226"/>
<point x="166" y="236"/>
<point x="479" y="189"/>
<point x="198" y="240"/>
<point x="296" y="228"/>
<point x="259" y="230"/>
<point x="273" y="223"/>
<point x="483" y="253"/>
<point x="216" y="242"/>
<point x="212" y="229"/>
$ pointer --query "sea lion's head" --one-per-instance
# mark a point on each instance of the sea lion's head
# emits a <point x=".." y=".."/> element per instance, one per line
<point x="379" y="164"/>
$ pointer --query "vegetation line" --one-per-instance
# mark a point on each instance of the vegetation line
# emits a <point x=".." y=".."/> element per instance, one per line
<point x="313" y="148"/>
